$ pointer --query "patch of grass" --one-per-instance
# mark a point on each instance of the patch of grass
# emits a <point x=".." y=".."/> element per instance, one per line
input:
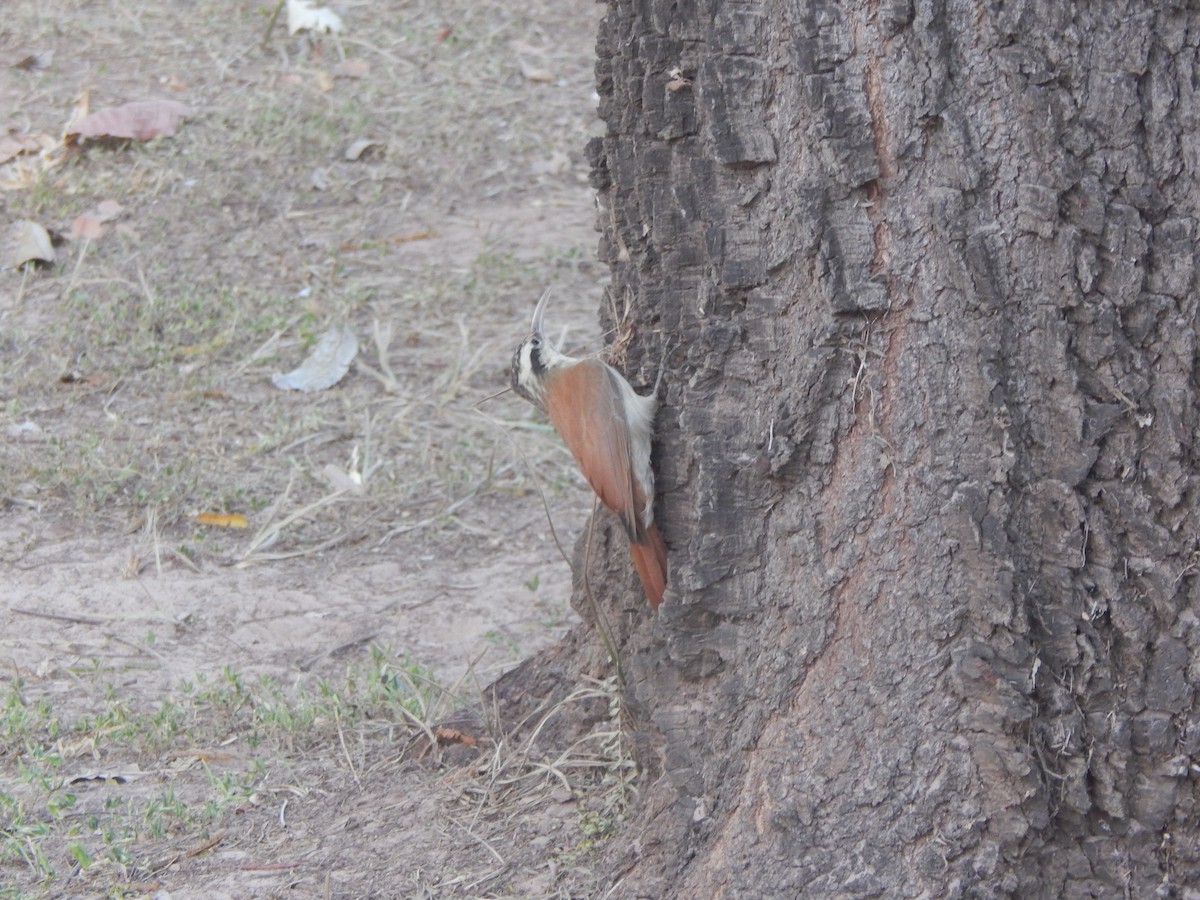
<point x="597" y="770"/>
<point x="245" y="722"/>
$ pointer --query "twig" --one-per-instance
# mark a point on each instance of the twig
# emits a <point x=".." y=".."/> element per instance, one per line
<point x="58" y="617"/>
<point x="337" y="718"/>
<point x="140" y="649"/>
<point x="207" y="845"/>
<point x="292" y="554"/>
<point x="333" y="651"/>
<point x="271" y="24"/>
<point x="270" y="867"/>
<point x="183" y="558"/>
<point x="74" y="282"/>
<point x="602" y="627"/>
<point x="500" y="859"/>
<point x="449" y="510"/>
<point x="167" y="861"/>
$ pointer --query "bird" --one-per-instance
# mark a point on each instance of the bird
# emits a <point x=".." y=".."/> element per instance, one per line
<point x="608" y="428"/>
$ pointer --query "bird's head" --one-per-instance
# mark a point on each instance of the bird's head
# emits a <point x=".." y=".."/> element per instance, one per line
<point x="535" y="359"/>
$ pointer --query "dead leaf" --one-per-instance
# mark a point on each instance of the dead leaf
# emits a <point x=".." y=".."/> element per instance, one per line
<point x="222" y="520"/>
<point x="303" y="16"/>
<point x="140" y="120"/>
<point x="534" y="74"/>
<point x="444" y="32"/>
<point x="355" y="151"/>
<point x="36" y="154"/>
<point x="352" y="68"/>
<point x="339" y="480"/>
<point x="33" y="62"/>
<point x="325" y="366"/>
<point x="454" y="736"/>
<point x="26" y="241"/>
<point x="14" y="145"/>
<point x="90" y="225"/>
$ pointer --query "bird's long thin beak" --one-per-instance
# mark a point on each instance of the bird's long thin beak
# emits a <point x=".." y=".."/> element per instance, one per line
<point x="539" y="312"/>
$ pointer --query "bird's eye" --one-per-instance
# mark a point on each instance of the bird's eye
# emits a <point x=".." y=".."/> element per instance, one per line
<point x="535" y="341"/>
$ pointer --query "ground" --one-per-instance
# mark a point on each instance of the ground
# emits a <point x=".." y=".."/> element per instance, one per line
<point x="195" y="709"/>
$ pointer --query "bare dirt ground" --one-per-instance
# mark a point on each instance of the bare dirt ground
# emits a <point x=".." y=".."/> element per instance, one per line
<point x="198" y="710"/>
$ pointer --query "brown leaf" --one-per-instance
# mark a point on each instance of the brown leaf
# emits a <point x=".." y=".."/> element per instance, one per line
<point x="90" y="225"/>
<point x="26" y="241"/>
<point x="535" y="74"/>
<point x="140" y="120"/>
<point x="352" y="68"/>
<point x="222" y="520"/>
<point x="360" y="147"/>
<point x="14" y="145"/>
<point x="454" y="736"/>
<point x="85" y="227"/>
<point x="32" y="62"/>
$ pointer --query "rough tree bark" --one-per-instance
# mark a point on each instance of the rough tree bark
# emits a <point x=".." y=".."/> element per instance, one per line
<point x="927" y="448"/>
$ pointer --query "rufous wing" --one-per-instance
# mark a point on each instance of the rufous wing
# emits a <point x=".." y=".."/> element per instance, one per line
<point x="586" y="412"/>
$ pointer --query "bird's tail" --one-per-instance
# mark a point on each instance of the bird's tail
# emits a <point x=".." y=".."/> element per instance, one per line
<point x="650" y="560"/>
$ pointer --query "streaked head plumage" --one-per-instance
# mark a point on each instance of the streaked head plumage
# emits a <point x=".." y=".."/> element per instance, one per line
<point x="532" y="357"/>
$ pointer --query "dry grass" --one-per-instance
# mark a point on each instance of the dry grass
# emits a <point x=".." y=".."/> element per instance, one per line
<point x="152" y="350"/>
<point x="135" y="391"/>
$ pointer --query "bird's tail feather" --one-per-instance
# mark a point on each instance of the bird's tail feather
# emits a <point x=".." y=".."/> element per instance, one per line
<point x="650" y="560"/>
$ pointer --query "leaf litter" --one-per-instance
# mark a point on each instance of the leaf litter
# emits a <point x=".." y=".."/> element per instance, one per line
<point x="140" y="120"/>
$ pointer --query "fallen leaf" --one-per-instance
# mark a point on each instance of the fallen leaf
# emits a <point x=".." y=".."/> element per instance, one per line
<point x="303" y="16"/>
<point x="26" y="241"/>
<point x="339" y="480"/>
<point x="325" y="366"/>
<point x="222" y="520"/>
<point x="355" y="151"/>
<point x="352" y="68"/>
<point x="14" y="145"/>
<point x="36" y="155"/>
<point x="454" y="736"/>
<point x="90" y="225"/>
<point x="444" y="32"/>
<point x="140" y="120"/>
<point x="531" y="73"/>
<point x="32" y="62"/>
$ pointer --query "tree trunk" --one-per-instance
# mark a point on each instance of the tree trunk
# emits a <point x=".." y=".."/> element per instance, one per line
<point x="926" y="447"/>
